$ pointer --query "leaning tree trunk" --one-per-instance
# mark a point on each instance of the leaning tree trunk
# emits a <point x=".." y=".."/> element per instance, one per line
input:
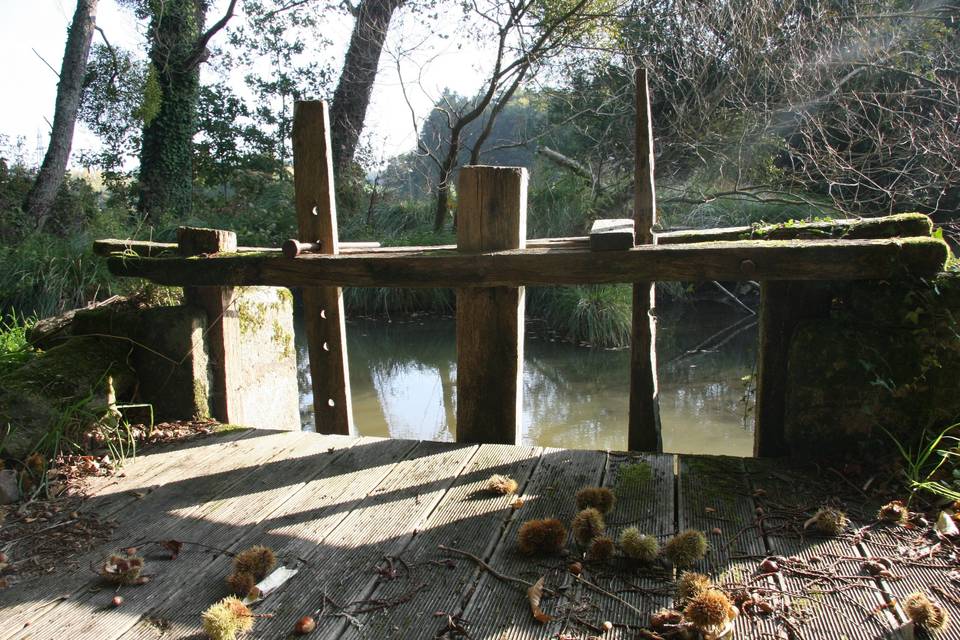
<point x="166" y="155"/>
<point x="352" y="96"/>
<point x="69" y="91"/>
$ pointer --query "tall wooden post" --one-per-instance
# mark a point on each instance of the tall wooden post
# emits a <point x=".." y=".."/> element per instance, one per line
<point x="644" y="425"/>
<point x="491" y="215"/>
<point x="223" y="322"/>
<point x="323" y="306"/>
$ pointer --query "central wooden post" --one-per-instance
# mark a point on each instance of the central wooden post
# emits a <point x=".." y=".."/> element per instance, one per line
<point x="644" y="428"/>
<point x="323" y="306"/>
<point x="491" y="216"/>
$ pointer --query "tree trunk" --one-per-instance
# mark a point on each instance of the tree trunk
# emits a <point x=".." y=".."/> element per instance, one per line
<point x="352" y="96"/>
<point x="166" y="157"/>
<point x="69" y="92"/>
<point x="442" y="209"/>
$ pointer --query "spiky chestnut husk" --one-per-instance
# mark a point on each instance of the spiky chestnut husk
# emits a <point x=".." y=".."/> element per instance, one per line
<point x="226" y="619"/>
<point x="829" y="521"/>
<point x="241" y="583"/>
<point x="122" y="569"/>
<point x="638" y="546"/>
<point x="600" y="498"/>
<point x="504" y="485"/>
<point x="587" y="525"/>
<point x="541" y="536"/>
<point x="894" y="512"/>
<point x="690" y="585"/>
<point x="257" y="561"/>
<point x="601" y="549"/>
<point x="710" y="610"/>
<point x="924" y="612"/>
<point x="686" y="548"/>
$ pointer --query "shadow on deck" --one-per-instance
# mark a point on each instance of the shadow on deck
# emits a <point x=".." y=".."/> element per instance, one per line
<point x="362" y="519"/>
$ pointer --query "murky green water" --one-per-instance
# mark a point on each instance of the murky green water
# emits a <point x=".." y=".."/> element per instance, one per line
<point x="403" y="379"/>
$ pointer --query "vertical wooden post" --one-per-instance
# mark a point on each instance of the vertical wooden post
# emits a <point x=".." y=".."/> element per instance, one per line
<point x="223" y="322"/>
<point x="644" y="424"/>
<point x="783" y="305"/>
<point x="323" y="306"/>
<point x="491" y="215"/>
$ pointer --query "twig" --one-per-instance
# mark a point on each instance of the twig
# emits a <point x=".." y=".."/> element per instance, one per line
<point x="604" y="592"/>
<point x="486" y="567"/>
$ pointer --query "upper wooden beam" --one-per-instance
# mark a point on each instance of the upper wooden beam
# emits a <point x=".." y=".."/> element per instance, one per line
<point x="753" y="259"/>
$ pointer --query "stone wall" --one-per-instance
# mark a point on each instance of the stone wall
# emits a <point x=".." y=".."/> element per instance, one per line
<point x="885" y="360"/>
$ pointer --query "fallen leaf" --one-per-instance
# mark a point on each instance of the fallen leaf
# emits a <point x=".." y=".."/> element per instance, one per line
<point x="173" y="546"/>
<point x="534" y="594"/>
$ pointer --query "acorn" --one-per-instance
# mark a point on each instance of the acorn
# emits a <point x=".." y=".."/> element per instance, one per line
<point x="638" y="546"/>
<point x="607" y="625"/>
<point x="828" y="521"/>
<point x="601" y="549"/>
<point x="116" y="602"/>
<point x="304" y="625"/>
<point x="924" y="612"/>
<point x="504" y="485"/>
<point x="690" y="585"/>
<point x="575" y="568"/>
<point x="686" y="548"/>
<point x="769" y="565"/>
<point x="257" y="561"/>
<point x="710" y="611"/>
<point x="541" y="536"/>
<point x="600" y="498"/>
<point x="241" y="583"/>
<point x="587" y="525"/>
<point x="227" y="619"/>
<point x="894" y="512"/>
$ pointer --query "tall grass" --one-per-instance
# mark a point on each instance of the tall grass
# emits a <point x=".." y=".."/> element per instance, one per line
<point x="598" y="315"/>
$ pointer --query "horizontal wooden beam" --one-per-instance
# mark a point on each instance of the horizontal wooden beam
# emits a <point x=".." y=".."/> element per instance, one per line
<point x="904" y="225"/>
<point x="745" y="259"/>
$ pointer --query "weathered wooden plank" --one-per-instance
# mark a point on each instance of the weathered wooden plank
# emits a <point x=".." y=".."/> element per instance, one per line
<point x="228" y="465"/>
<point x="491" y="215"/>
<point x="218" y="521"/>
<point x="767" y="260"/>
<point x="644" y="485"/>
<point x="902" y="225"/>
<point x="323" y="305"/>
<point x="468" y="518"/>
<point x="329" y="493"/>
<point x="714" y="493"/>
<point x="614" y="234"/>
<point x="831" y="608"/>
<point x="643" y="428"/>
<point x="783" y="306"/>
<point x="223" y="322"/>
<point x="499" y="610"/>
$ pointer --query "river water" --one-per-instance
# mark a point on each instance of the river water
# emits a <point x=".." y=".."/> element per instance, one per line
<point x="403" y="380"/>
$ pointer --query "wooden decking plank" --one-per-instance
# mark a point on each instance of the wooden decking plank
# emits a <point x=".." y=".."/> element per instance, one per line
<point x="139" y="508"/>
<point x="787" y="499"/>
<point x="337" y="531"/>
<point x="208" y="519"/>
<point x="326" y="497"/>
<point x="499" y="610"/>
<point x="714" y="493"/>
<point x="646" y="502"/>
<point x="468" y="518"/>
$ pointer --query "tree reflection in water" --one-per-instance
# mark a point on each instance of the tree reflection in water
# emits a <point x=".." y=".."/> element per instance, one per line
<point x="403" y="379"/>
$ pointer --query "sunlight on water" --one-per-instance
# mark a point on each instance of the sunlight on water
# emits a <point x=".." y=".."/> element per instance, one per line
<point x="403" y="379"/>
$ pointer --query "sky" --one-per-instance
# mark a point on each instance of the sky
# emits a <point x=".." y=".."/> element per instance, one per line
<point x="35" y="29"/>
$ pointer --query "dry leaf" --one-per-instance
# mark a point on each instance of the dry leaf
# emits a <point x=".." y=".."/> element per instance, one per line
<point x="534" y="594"/>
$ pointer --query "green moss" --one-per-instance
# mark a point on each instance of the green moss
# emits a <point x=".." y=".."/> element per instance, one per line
<point x="252" y="315"/>
<point x="201" y="399"/>
<point x="282" y="339"/>
<point x="224" y="429"/>
<point x="631" y="478"/>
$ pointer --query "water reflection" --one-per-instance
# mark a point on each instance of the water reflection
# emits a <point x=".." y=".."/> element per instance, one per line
<point x="403" y="378"/>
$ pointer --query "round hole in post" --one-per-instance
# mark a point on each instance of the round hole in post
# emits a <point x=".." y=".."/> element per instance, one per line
<point x="326" y="347"/>
<point x="748" y="268"/>
<point x="323" y="313"/>
<point x="314" y="210"/>
<point x="330" y="402"/>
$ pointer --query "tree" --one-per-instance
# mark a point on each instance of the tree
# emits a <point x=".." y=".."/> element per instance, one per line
<point x="69" y="92"/>
<point x="178" y="46"/>
<point x="352" y="96"/>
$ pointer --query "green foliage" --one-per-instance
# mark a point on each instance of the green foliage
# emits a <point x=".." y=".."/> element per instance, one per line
<point x="931" y="465"/>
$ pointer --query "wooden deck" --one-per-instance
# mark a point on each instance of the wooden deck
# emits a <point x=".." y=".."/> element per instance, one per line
<point x="362" y="518"/>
